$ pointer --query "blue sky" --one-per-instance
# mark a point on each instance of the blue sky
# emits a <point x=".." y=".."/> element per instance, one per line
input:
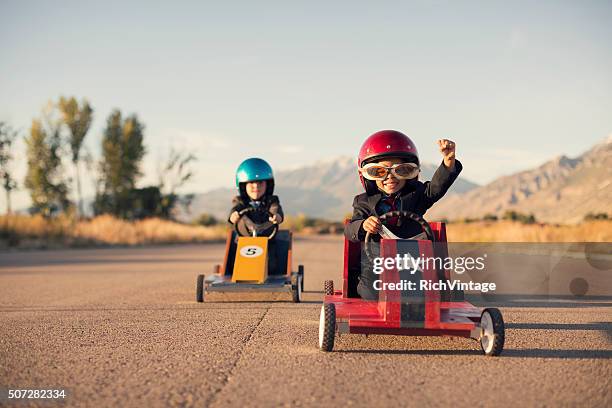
<point x="513" y="83"/>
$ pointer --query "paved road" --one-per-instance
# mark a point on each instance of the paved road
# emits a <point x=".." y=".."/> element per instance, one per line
<point x="120" y="327"/>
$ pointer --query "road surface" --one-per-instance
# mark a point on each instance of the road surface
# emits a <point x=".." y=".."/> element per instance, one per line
<point x="120" y="327"/>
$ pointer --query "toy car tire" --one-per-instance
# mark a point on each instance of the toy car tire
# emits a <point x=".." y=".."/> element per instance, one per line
<point x="200" y="289"/>
<point x="329" y="287"/>
<point x="296" y="287"/>
<point x="327" y="327"/>
<point x="492" y="332"/>
<point x="301" y="273"/>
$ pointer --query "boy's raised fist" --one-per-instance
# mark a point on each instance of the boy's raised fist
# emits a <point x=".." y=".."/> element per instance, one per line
<point x="447" y="148"/>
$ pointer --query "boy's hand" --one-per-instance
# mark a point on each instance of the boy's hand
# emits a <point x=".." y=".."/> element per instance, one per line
<point x="372" y="225"/>
<point x="447" y="148"/>
<point x="234" y="217"/>
<point x="276" y="219"/>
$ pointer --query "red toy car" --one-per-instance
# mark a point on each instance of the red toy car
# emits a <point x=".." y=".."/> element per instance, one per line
<point x="430" y="313"/>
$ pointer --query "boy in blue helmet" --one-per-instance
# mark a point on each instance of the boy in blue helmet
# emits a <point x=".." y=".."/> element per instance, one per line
<point x="255" y="183"/>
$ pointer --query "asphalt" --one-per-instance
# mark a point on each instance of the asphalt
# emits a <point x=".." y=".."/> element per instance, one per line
<point x="120" y="327"/>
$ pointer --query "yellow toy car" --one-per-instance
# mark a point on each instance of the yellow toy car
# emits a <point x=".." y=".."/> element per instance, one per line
<point x="255" y="263"/>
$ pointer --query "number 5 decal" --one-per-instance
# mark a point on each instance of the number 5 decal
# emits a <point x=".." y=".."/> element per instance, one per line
<point x="251" y="251"/>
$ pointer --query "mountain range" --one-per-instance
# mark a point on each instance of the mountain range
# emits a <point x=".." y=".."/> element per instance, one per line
<point x="560" y="190"/>
<point x="324" y="189"/>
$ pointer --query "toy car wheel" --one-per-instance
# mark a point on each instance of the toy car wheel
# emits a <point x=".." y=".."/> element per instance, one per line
<point x="296" y="288"/>
<point x="327" y="327"/>
<point x="329" y="287"/>
<point x="200" y="289"/>
<point x="301" y="273"/>
<point x="492" y="332"/>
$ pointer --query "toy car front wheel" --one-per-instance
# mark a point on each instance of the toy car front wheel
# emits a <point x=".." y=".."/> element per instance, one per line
<point x="200" y="289"/>
<point x="327" y="327"/>
<point x="328" y="286"/>
<point x="492" y="332"/>
<point x="296" y="287"/>
<point x="301" y="273"/>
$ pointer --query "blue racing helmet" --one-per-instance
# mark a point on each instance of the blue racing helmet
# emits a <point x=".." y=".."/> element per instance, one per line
<point x="254" y="169"/>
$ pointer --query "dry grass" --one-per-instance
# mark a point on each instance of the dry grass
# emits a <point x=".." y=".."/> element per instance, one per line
<point x="149" y="231"/>
<point x="36" y="231"/>
<point x="508" y="231"/>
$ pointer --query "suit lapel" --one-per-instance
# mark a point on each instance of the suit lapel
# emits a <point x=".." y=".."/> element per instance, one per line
<point x="409" y="199"/>
<point x="372" y="201"/>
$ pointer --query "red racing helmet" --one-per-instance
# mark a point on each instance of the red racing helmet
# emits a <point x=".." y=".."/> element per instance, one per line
<point x="385" y="143"/>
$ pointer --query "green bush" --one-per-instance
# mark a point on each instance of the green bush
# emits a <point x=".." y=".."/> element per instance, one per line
<point x="519" y="217"/>
<point x="206" y="220"/>
<point x="596" y="216"/>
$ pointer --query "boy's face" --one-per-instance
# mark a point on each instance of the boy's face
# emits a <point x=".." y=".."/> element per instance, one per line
<point x="391" y="184"/>
<point x="256" y="189"/>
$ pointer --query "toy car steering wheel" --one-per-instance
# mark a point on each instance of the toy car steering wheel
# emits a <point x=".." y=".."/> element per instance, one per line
<point x="409" y="215"/>
<point x="251" y="226"/>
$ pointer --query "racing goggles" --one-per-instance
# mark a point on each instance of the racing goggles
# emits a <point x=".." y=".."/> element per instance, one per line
<point x="401" y="171"/>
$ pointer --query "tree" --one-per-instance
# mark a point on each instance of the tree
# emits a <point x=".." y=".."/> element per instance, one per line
<point x="177" y="171"/>
<point x="173" y="175"/>
<point x="44" y="179"/>
<point x="78" y="121"/>
<point x="7" y="137"/>
<point x="122" y="153"/>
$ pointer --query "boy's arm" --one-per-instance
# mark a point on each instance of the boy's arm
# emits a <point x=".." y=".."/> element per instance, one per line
<point x="237" y="205"/>
<point x="275" y="207"/>
<point x="353" y="230"/>
<point x="441" y="181"/>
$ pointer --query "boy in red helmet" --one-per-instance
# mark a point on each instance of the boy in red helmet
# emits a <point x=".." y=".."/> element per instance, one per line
<point x="389" y="167"/>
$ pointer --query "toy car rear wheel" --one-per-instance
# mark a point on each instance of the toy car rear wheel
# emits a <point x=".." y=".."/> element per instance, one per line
<point x="200" y="289"/>
<point x="328" y="286"/>
<point x="301" y="272"/>
<point x="296" y="288"/>
<point x="492" y="332"/>
<point x="327" y="327"/>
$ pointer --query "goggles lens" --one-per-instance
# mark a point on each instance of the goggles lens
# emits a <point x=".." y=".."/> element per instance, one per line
<point x="402" y="171"/>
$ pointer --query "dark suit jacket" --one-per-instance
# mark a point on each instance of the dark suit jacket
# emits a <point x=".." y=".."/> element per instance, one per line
<point x="416" y="196"/>
<point x="271" y="203"/>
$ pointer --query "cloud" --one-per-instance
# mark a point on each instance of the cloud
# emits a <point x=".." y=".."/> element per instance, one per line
<point x="290" y="149"/>
<point x="197" y="140"/>
<point x="485" y="164"/>
<point x="518" y="39"/>
<point x="211" y="150"/>
<point x="508" y="154"/>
